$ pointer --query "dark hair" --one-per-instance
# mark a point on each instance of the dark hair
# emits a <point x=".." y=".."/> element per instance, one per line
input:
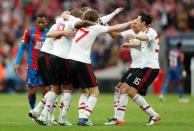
<point x="147" y="18"/>
<point x="179" y="45"/>
<point x="91" y="15"/>
<point x="76" y="12"/>
<point x="40" y="15"/>
<point x="83" y="9"/>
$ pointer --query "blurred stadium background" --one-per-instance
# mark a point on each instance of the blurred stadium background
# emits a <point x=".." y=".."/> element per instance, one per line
<point x="174" y="21"/>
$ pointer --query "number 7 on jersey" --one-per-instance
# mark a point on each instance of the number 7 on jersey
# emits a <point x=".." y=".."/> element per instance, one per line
<point x="83" y="33"/>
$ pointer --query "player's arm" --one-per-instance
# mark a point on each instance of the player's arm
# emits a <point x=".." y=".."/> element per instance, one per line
<point x="122" y="26"/>
<point x="131" y="44"/>
<point x="57" y="34"/>
<point x="115" y="34"/>
<point x="107" y="18"/>
<point x="21" y="49"/>
<point x="144" y="37"/>
<point x="139" y="37"/>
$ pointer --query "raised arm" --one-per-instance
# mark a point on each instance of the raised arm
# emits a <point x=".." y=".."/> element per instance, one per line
<point x="107" y="18"/>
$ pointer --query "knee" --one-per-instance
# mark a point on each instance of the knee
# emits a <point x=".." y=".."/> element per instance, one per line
<point x="85" y="91"/>
<point x="56" y="89"/>
<point x="94" y="91"/>
<point x="32" y="91"/>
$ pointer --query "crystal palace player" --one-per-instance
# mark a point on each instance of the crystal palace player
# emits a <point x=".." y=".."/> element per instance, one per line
<point x="33" y="39"/>
<point x="175" y="73"/>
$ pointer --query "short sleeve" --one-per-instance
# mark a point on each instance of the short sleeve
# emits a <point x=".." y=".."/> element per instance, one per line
<point x="101" y="29"/>
<point x="53" y="27"/>
<point x="59" y="19"/>
<point x="152" y="34"/>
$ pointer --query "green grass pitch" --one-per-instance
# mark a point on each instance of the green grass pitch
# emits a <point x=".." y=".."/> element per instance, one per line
<point x="175" y="116"/>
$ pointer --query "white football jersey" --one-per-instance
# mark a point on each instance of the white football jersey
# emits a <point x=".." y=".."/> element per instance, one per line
<point x="62" y="45"/>
<point x="83" y="41"/>
<point x="150" y="50"/>
<point x="48" y="44"/>
<point x="135" y="51"/>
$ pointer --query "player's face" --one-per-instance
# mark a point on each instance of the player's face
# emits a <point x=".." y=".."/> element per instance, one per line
<point x="41" y="22"/>
<point x="135" y="27"/>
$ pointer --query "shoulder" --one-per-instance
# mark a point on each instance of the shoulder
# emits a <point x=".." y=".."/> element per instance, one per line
<point x="152" y="31"/>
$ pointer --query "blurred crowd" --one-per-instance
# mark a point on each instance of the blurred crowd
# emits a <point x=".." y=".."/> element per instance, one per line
<point x="170" y="18"/>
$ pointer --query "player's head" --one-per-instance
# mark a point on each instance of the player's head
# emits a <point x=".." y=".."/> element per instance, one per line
<point x="178" y="45"/>
<point x="76" y="12"/>
<point x="84" y="9"/>
<point x="146" y="20"/>
<point x="41" y="21"/>
<point x="135" y="27"/>
<point x="91" y="15"/>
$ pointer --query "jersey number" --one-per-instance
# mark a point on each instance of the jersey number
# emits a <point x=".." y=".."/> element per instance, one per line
<point x="84" y="33"/>
<point x="60" y="26"/>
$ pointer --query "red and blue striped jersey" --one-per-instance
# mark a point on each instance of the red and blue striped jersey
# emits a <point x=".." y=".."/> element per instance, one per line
<point x="175" y="58"/>
<point x="33" y="39"/>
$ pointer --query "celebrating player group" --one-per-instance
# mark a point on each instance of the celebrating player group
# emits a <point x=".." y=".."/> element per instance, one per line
<point x="59" y="61"/>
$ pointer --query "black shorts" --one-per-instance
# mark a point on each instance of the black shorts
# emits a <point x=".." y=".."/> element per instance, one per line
<point x="82" y="75"/>
<point x="58" y="72"/>
<point x="128" y="73"/>
<point x="43" y="66"/>
<point x="141" y="79"/>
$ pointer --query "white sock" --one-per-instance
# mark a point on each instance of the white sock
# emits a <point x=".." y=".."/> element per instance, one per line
<point x="41" y="104"/>
<point x="139" y="100"/>
<point x="116" y="102"/>
<point x="123" y="101"/>
<point x="61" y="106"/>
<point x="89" y="107"/>
<point x="82" y="103"/>
<point x="49" y="105"/>
<point x="66" y="104"/>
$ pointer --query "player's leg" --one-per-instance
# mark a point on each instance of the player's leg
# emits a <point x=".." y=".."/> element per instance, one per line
<point x="32" y="96"/>
<point x="113" y="120"/>
<point x="56" y="81"/>
<point x="43" y="66"/>
<point x="65" y="105"/>
<point x="87" y="79"/>
<point x="90" y="104"/>
<point x="33" y="82"/>
<point x="169" y="78"/>
<point x="136" y="86"/>
<point x="82" y="100"/>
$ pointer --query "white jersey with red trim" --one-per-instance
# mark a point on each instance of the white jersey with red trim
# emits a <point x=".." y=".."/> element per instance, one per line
<point x="150" y="49"/>
<point x="83" y="41"/>
<point x="135" y="52"/>
<point x="48" y="44"/>
<point x="62" y="45"/>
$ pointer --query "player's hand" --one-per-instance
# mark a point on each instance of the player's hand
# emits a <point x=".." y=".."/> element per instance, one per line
<point x="131" y="36"/>
<point x="69" y="33"/>
<point x="17" y="69"/>
<point x="118" y="10"/>
<point x="136" y="20"/>
<point x="125" y="45"/>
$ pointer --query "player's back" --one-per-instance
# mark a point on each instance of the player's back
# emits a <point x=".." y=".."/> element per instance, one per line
<point x="174" y="58"/>
<point x="62" y="45"/>
<point x="83" y="41"/>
